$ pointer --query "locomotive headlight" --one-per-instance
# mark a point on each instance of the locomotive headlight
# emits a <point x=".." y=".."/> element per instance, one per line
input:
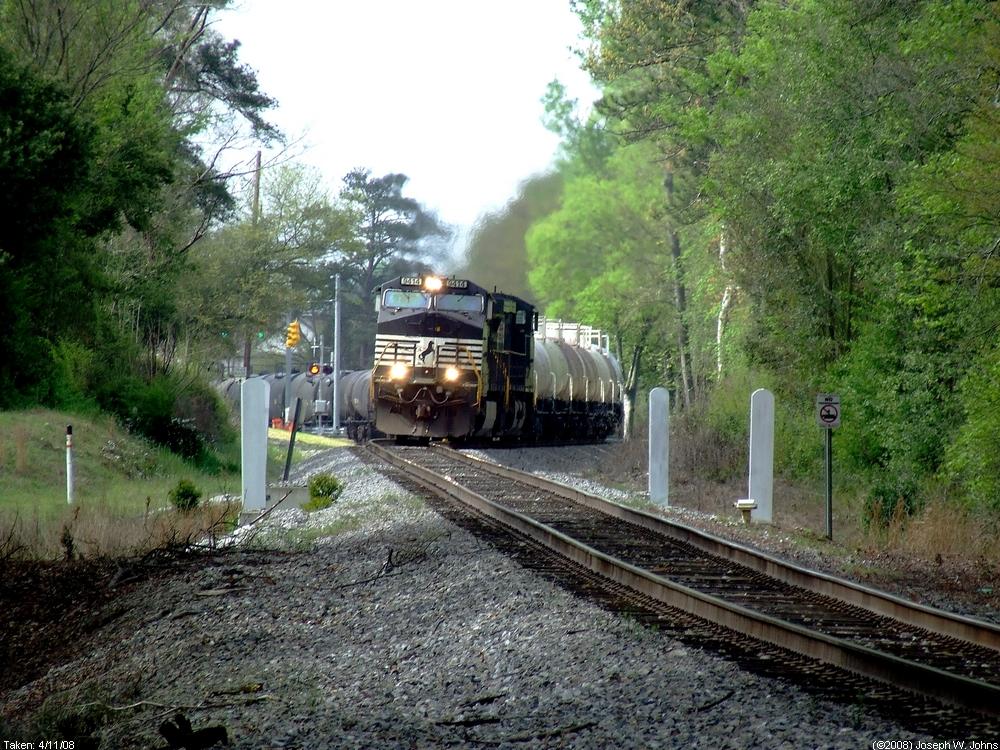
<point x="451" y="374"/>
<point x="432" y="284"/>
<point x="398" y="371"/>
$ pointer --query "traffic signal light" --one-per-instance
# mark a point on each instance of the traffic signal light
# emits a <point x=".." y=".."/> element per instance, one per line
<point x="314" y="369"/>
<point x="293" y="335"/>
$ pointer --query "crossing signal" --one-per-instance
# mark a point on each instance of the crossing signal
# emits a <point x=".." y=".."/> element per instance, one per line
<point x="294" y="334"/>
<point x="314" y="369"/>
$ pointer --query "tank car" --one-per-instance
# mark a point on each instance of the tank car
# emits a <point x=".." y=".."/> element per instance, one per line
<point x="453" y="360"/>
<point x="354" y="410"/>
<point x="577" y="383"/>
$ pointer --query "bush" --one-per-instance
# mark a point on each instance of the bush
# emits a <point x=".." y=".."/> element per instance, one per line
<point x="323" y="490"/>
<point x="974" y="457"/>
<point x="894" y="496"/>
<point x="185" y="496"/>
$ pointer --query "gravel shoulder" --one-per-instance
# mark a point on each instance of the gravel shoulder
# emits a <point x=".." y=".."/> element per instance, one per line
<point x="378" y="623"/>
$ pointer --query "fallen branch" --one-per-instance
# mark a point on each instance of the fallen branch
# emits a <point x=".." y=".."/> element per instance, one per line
<point x="270" y="510"/>
<point x="374" y="578"/>
<point x="713" y="704"/>
<point x="195" y="707"/>
<point x="473" y="722"/>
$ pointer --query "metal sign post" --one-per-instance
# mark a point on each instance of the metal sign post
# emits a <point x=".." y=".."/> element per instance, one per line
<point x="828" y="417"/>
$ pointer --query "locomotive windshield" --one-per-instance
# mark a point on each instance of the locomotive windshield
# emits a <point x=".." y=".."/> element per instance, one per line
<point x="460" y="302"/>
<point x="410" y="300"/>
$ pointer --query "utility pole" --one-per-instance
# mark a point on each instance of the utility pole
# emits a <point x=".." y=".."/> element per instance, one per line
<point x="256" y="217"/>
<point x="335" y="410"/>
<point x="286" y="411"/>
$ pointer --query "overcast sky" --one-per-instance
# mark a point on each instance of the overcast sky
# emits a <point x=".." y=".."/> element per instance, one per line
<point x="445" y="91"/>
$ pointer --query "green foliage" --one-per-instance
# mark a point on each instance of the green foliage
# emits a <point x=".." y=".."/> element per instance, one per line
<point x="973" y="459"/>
<point x="185" y="496"/>
<point x="44" y="263"/>
<point x="102" y="193"/>
<point x="74" y="367"/>
<point x="835" y="176"/>
<point x="893" y="497"/>
<point x="324" y="489"/>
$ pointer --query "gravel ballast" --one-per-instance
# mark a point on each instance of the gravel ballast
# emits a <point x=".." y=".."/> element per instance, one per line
<point x="378" y="623"/>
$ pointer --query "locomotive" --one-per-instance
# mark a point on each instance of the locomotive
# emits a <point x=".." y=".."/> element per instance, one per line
<point x="453" y="360"/>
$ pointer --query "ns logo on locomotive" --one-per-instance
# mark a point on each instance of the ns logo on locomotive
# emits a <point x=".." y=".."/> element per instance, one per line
<point x="455" y="360"/>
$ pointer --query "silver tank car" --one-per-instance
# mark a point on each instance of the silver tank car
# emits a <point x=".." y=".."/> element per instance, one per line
<point x="577" y="382"/>
<point x="355" y="408"/>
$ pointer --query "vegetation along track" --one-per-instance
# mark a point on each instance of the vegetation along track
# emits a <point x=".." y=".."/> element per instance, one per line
<point x="928" y="652"/>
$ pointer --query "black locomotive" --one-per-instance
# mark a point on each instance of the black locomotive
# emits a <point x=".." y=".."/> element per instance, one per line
<point x="455" y="360"/>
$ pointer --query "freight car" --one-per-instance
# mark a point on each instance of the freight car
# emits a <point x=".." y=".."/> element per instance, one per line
<point x="453" y="360"/>
<point x="316" y="392"/>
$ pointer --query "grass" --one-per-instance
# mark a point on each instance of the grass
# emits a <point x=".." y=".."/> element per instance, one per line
<point x="308" y="439"/>
<point x="706" y="478"/>
<point x="121" y="487"/>
<point x="306" y="445"/>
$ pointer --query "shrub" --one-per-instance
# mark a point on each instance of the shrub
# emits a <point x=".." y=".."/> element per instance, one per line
<point x="185" y="496"/>
<point x="894" y="496"/>
<point x="323" y="490"/>
<point x="974" y="457"/>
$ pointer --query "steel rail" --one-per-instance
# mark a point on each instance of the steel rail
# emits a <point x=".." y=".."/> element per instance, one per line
<point x="919" y="678"/>
<point x="972" y="630"/>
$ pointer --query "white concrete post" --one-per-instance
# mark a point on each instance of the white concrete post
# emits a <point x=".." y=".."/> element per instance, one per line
<point x="659" y="446"/>
<point x="762" y="454"/>
<point x="255" y="395"/>
<point x="69" y="465"/>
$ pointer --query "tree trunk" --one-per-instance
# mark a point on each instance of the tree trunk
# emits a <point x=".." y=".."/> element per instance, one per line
<point x="680" y="300"/>
<point x="727" y="298"/>
<point x="831" y="307"/>
<point x="631" y="391"/>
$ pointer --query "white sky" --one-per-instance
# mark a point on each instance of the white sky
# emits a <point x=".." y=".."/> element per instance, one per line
<point x="445" y="91"/>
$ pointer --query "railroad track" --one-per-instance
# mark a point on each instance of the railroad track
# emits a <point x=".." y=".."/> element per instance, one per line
<point x="949" y="658"/>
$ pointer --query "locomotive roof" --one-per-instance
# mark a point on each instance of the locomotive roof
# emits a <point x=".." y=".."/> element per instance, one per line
<point x="451" y="283"/>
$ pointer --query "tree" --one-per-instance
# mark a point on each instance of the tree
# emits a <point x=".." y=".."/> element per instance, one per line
<point x="392" y="232"/>
<point x="95" y="315"/>
<point x="390" y="225"/>
<point x="652" y="58"/>
<point x="596" y="258"/>
<point x="248" y="276"/>
<point x="47" y="287"/>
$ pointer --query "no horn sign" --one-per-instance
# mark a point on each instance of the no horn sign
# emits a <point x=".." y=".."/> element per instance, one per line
<point x="828" y="410"/>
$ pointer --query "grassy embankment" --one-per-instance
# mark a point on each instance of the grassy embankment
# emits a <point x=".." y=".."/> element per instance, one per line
<point x="708" y="473"/>
<point x="122" y="485"/>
